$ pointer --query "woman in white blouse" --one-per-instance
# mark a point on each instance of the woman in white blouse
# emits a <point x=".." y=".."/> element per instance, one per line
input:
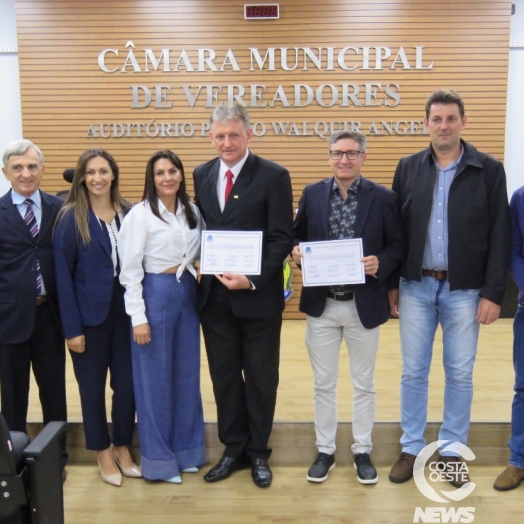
<point x="158" y="244"/>
<point x="91" y="302"/>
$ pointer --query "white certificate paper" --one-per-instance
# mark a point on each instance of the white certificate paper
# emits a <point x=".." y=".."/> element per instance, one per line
<point x="333" y="262"/>
<point x="231" y="252"/>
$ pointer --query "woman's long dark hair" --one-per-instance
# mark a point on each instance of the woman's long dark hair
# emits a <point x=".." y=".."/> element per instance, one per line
<point x="150" y="192"/>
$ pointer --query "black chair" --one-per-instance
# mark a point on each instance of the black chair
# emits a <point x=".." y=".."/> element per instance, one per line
<point x="68" y="177"/>
<point x="31" y="489"/>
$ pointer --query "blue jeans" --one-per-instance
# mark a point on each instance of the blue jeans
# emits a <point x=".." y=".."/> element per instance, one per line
<point x="422" y="306"/>
<point x="516" y="442"/>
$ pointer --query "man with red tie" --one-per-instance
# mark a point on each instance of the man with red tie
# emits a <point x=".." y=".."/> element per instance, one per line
<point x="241" y="315"/>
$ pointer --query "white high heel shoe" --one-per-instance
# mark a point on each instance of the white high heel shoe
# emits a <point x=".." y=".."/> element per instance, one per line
<point x="114" y="479"/>
<point x="133" y="471"/>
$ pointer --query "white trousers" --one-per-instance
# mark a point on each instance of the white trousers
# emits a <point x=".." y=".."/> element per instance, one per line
<point x="323" y="338"/>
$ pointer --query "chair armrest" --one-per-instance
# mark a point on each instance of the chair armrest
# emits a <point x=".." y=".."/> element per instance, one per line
<point x="43" y="460"/>
<point x="46" y="437"/>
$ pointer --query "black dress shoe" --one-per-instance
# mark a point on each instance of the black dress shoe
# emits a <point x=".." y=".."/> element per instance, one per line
<point x="224" y="468"/>
<point x="366" y="472"/>
<point x="261" y="473"/>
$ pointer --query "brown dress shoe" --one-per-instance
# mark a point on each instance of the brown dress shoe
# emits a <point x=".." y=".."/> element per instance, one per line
<point x="456" y="471"/>
<point x="402" y="470"/>
<point x="510" y="478"/>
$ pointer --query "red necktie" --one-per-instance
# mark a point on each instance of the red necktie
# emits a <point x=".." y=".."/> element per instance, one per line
<point x="229" y="184"/>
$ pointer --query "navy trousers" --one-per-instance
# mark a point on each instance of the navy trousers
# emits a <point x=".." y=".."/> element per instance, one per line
<point x="45" y="352"/>
<point x="107" y="348"/>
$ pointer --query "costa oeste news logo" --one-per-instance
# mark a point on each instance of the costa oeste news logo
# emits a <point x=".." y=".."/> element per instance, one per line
<point x="443" y="472"/>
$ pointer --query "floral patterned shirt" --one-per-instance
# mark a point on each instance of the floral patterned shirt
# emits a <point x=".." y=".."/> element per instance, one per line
<point x="342" y="216"/>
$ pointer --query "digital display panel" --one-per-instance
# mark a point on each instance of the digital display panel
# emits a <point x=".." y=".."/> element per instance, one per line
<point x="261" y="11"/>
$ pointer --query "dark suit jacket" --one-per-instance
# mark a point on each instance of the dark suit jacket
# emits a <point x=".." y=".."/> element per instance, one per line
<point x="18" y="255"/>
<point x="264" y="203"/>
<point x="377" y="223"/>
<point x="84" y="275"/>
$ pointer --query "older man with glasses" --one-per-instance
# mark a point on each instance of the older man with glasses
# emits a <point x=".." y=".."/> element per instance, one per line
<point x="347" y="206"/>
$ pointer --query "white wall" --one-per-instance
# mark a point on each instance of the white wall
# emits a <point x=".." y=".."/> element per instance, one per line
<point x="514" y="157"/>
<point x="11" y="116"/>
<point x="10" y="109"/>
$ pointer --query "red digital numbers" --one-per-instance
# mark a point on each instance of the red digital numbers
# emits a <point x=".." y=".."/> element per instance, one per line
<point x="261" y="11"/>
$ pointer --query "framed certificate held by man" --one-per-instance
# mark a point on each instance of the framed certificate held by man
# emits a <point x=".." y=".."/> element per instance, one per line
<point x="332" y="262"/>
<point x="231" y="252"/>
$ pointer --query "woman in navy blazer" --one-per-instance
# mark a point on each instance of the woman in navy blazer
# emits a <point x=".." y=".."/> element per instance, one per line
<point x="91" y="303"/>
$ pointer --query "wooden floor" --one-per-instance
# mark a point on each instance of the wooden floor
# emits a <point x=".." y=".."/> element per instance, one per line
<point x="493" y="379"/>
<point x="290" y="499"/>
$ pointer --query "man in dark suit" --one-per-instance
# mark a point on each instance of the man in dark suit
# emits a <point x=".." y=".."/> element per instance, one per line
<point x="30" y="333"/>
<point x="343" y="207"/>
<point x="241" y="315"/>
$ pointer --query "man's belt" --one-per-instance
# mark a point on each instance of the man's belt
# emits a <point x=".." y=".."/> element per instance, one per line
<point x="435" y="273"/>
<point x="341" y="297"/>
<point x="42" y="299"/>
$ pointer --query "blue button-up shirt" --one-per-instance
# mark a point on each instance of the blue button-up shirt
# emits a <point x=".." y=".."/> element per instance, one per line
<point x="436" y="248"/>
<point x="19" y="202"/>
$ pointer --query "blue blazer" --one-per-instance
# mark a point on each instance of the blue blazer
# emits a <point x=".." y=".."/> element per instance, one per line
<point x="19" y="252"/>
<point x="84" y="274"/>
<point x="377" y="223"/>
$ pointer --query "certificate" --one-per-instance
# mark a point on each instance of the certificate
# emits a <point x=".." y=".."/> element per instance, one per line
<point x="334" y="262"/>
<point x="231" y="252"/>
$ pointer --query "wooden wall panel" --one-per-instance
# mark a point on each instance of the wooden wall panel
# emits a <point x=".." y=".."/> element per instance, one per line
<point x="64" y="91"/>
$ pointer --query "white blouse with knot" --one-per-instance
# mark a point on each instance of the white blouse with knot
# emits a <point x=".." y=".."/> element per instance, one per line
<point x="147" y="244"/>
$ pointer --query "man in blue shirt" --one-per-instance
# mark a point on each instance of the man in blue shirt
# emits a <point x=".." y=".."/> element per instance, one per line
<point x="454" y="209"/>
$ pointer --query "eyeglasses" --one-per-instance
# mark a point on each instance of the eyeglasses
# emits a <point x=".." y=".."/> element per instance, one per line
<point x="350" y="155"/>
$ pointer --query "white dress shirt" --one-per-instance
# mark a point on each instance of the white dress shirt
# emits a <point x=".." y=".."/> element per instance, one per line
<point x="222" y="179"/>
<point x="147" y="244"/>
